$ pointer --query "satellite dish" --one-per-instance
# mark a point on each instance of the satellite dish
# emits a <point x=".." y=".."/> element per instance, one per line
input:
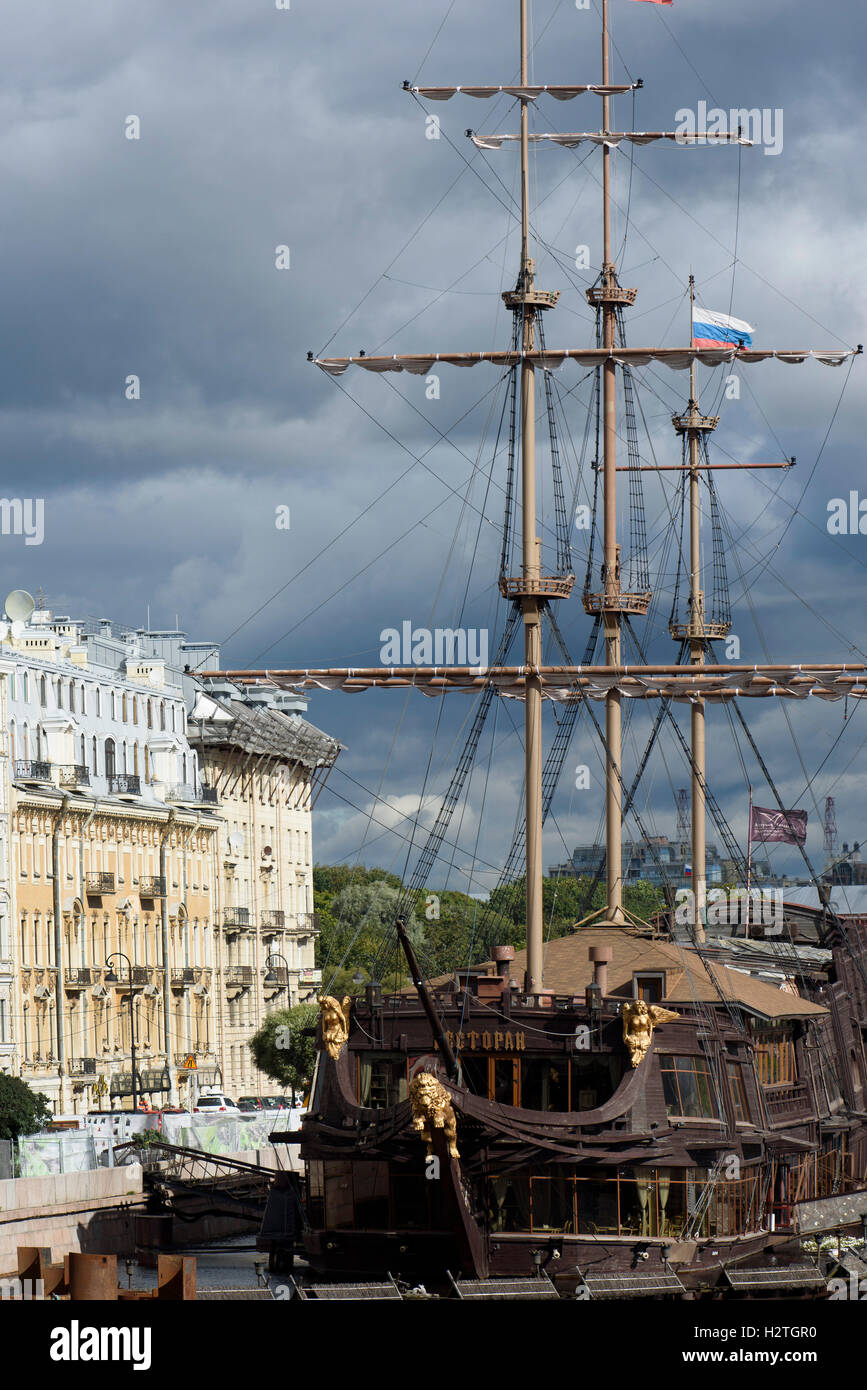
<point x="155" y="677"/>
<point x="19" y="627"/>
<point x="20" y="605"/>
<point x="236" y="841"/>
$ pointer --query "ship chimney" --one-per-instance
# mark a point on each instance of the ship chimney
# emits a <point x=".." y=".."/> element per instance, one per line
<point x="503" y="957"/>
<point x="601" y="956"/>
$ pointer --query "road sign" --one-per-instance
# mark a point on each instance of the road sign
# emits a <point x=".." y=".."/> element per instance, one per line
<point x="190" y="1063"/>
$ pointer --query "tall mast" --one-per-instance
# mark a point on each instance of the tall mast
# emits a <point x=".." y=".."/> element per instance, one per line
<point x="696" y="630"/>
<point x="530" y="567"/>
<point x="611" y="615"/>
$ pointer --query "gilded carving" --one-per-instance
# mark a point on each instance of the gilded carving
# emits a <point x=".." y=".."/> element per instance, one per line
<point x="335" y="1023"/>
<point x="639" y="1019"/>
<point x="432" y="1109"/>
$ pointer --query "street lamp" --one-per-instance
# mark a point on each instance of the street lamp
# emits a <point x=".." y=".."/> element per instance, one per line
<point x="112" y="979"/>
<point x="270" y="977"/>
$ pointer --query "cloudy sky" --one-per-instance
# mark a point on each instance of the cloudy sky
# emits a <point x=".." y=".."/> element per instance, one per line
<point x="263" y="127"/>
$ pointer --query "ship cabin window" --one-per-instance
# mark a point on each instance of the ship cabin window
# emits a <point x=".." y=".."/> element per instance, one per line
<point x="688" y="1088"/>
<point x="739" y="1095"/>
<point x="649" y="986"/>
<point x="382" y="1080"/>
<point x="774" y="1053"/>
<point x="544" y="1083"/>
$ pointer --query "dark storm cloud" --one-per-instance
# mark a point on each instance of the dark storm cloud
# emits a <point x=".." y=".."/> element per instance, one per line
<point x="262" y="127"/>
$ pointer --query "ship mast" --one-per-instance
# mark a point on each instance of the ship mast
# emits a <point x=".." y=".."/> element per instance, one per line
<point x="530" y="567"/>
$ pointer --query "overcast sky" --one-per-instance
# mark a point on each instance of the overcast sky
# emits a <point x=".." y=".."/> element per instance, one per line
<point x="261" y="128"/>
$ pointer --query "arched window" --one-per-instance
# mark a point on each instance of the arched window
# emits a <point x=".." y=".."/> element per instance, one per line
<point x="71" y="698"/>
<point x="123" y="707"/>
<point x="135" y="709"/>
<point x="110" y="758"/>
<point x="13" y="748"/>
<point x="99" y="701"/>
<point x="135" y="759"/>
<point x="59" y="693"/>
<point x="150" y="715"/>
<point x="25" y="685"/>
<point x="162" y="714"/>
<point x="123" y="754"/>
<point x="95" y="752"/>
<point x="43" y="692"/>
<point x="83" y="751"/>
<point x="82" y="692"/>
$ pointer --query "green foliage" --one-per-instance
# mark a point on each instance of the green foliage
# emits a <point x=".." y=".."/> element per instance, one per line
<point x="22" y="1111"/>
<point x="355" y="932"/>
<point x="280" y="1050"/>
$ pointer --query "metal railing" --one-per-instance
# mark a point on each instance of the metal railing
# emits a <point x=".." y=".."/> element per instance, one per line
<point x="78" y="976"/>
<point x="183" y="975"/>
<point x="240" y="975"/>
<point x="236" y="916"/>
<point x="75" y="775"/>
<point x="82" y="1066"/>
<point x="151" y="886"/>
<point x="208" y="796"/>
<point x="124" y="782"/>
<point x="273" y="917"/>
<point x="32" y="771"/>
<point x="99" y="883"/>
<point x="279" y="975"/>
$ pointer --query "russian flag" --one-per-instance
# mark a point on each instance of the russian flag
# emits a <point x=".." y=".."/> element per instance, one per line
<point x="711" y="330"/>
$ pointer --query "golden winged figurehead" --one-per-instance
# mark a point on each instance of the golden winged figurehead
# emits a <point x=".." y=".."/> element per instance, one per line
<point x="639" y="1019"/>
<point x="432" y="1109"/>
<point x="335" y="1023"/>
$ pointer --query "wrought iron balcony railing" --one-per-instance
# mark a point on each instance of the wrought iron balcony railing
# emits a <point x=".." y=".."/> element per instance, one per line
<point x="273" y="917"/>
<point x="151" y="887"/>
<point x="76" y="775"/>
<point x="240" y="975"/>
<point x="96" y="883"/>
<point x="120" y="783"/>
<point x="236" y="916"/>
<point x="79" y="977"/>
<point x="182" y="976"/>
<point x="82" y="1066"/>
<point x="32" y="771"/>
<point x="208" y="796"/>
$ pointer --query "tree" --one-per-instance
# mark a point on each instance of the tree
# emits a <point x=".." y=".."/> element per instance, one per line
<point x="280" y="1048"/>
<point x="22" y="1111"/>
<point x="355" y="932"/>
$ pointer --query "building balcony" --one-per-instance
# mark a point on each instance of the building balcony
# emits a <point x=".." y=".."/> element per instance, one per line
<point x="81" y="1066"/>
<point x="787" y="1101"/>
<point x="80" y="977"/>
<point x="28" y="770"/>
<point x="236" y="917"/>
<point x="75" y="775"/>
<point x="240" y="975"/>
<point x="276" y="977"/>
<point x="182" y="791"/>
<point x="98" y="883"/>
<point x="271" y="918"/>
<point x="208" y="796"/>
<point x="182" y="977"/>
<point x="124" y="784"/>
<point x="139" y="975"/>
<point x="307" y="921"/>
<point x="151" y="887"/>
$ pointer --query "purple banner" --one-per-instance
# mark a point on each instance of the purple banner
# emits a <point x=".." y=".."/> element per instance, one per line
<point x="788" y="826"/>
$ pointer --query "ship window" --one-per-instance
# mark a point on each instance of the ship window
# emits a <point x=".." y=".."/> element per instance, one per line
<point x="503" y="1080"/>
<point x="474" y="1071"/>
<point x="739" y="1095"/>
<point x="544" y="1084"/>
<point x="688" y="1089"/>
<point x="382" y="1079"/>
<point x="774" y="1054"/>
<point x="594" y="1080"/>
<point x="649" y="987"/>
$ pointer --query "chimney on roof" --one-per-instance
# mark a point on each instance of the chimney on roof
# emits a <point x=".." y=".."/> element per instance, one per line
<point x="601" y="956"/>
<point x="503" y="957"/>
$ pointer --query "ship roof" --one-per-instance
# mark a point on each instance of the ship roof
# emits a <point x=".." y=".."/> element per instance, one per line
<point x="688" y="978"/>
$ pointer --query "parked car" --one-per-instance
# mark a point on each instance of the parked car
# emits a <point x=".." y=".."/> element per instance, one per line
<point x="215" y="1104"/>
<point x="276" y="1103"/>
<point x="248" y="1103"/>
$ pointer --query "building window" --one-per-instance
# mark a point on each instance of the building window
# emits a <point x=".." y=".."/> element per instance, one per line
<point x="123" y="707"/>
<point x="135" y="759"/>
<point x="114" y="704"/>
<point x="135" y="709"/>
<point x="650" y="987"/>
<point x="738" y="1090"/>
<point x="110" y="758"/>
<point x="95" y="752"/>
<point x="774" y="1054"/>
<point x="162" y="714"/>
<point x="71" y="698"/>
<point x="99" y="701"/>
<point x="43" y="692"/>
<point x="688" y="1087"/>
<point x="150" y="715"/>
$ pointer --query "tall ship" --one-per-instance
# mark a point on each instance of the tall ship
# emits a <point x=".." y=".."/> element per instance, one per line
<point x="641" y="1106"/>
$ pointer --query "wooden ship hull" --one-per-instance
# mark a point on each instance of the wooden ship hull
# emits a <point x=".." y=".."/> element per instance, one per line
<point x="667" y="1174"/>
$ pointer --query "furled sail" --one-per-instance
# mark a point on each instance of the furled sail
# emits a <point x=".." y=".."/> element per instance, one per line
<point x="613" y="138"/>
<point x="553" y="358"/>
<point x="525" y="93"/>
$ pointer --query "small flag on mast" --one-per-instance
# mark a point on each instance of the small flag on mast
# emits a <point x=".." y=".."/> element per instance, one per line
<point x="788" y="827"/>
<point x="711" y="330"/>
